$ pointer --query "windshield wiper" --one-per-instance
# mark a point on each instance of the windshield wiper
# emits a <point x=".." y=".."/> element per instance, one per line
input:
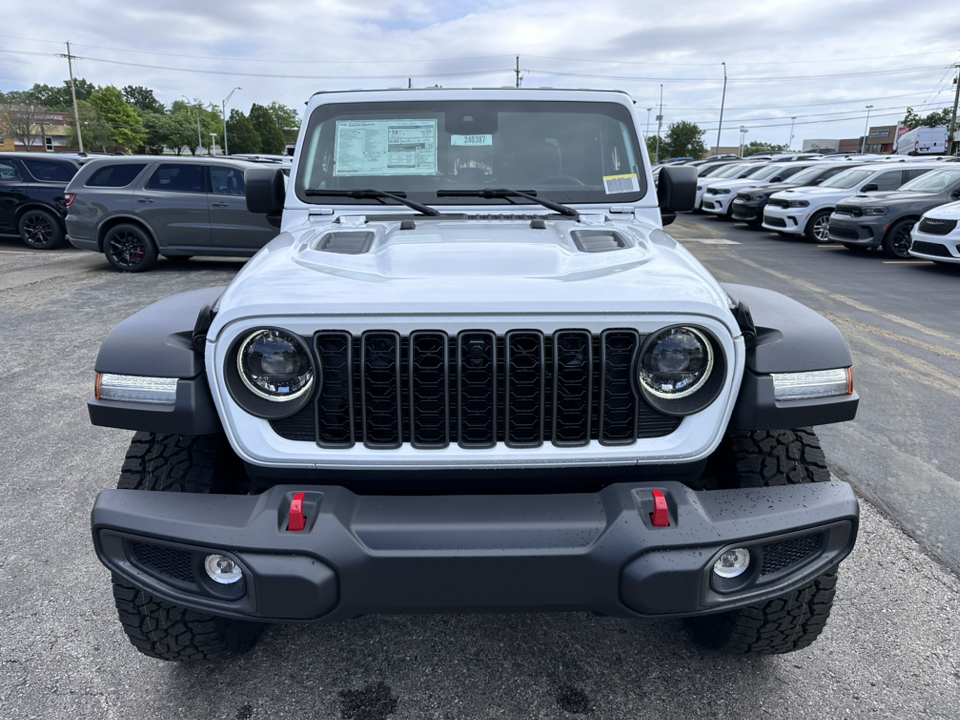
<point x="400" y="197"/>
<point x="506" y="193"/>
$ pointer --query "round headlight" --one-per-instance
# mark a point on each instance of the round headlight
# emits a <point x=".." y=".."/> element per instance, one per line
<point x="274" y="365"/>
<point x="675" y="363"/>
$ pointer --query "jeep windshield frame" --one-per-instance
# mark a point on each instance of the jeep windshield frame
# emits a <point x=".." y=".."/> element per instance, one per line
<point x="566" y="151"/>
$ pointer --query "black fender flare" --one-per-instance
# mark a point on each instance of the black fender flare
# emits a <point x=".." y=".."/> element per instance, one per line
<point x="790" y="337"/>
<point x="158" y="341"/>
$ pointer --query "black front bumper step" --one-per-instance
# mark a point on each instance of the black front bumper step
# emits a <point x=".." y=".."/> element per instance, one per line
<point x="403" y="554"/>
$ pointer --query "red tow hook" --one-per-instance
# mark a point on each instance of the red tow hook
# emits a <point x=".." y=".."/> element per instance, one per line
<point x="297" y="521"/>
<point x="660" y="517"/>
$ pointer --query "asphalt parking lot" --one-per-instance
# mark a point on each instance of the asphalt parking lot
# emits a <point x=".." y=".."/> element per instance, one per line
<point x="889" y="650"/>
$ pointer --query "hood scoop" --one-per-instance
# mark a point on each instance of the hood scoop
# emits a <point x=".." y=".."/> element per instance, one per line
<point x="596" y="241"/>
<point x="346" y="243"/>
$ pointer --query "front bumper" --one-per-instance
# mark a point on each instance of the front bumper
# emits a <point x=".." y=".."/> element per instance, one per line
<point x="404" y="554"/>
<point x="750" y="211"/>
<point x="716" y="204"/>
<point x="785" y="220"/>
<point x="864" y="231"/>
<point x="939" y="248"/>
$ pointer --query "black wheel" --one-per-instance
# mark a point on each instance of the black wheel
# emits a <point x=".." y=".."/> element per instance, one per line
<point x="817" y="230"/>
<point x="40" y="229"/>
<point x="179" y="463"/>
<point x="129" y="248"/>
<point x="794" y="620"/>
<point x="897" y="241"/>
<point x="859" y="249"/>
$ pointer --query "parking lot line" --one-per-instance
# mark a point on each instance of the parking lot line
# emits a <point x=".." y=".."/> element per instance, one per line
<point x="908" y="262"/>
<point x="707" y="241"/>
<point x="832" y="247"/>
<point x="15" y="252"/>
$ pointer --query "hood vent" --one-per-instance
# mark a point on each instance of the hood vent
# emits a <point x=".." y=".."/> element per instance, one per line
<point x="346" y="243"/>
<point x="594" y="241"/>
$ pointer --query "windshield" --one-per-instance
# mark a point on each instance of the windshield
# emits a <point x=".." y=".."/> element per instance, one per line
<point x="728" y="171"/>
<point x="809" y="175"/>
<point x="768" y="172"/>
<point x="932" y="182"/>
<point x="848" y="178"/>
<point x="564" y="151"/>
<point x="753" y="172"/>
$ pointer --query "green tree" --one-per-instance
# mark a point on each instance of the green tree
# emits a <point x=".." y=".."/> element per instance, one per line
<point x="60" y="99"/>
<point x="271" y="136"/>
<point x="937" y="118"/>
<point x="756" y="147"/>
<point x="143" y="98"/>
<point x="652" y="148"/>
<point x="683" y="139"/>
<point x="97" y="133"/>
<point x="243" y="137"/>
<point x="156" y="137"/>
<point x="287" y="119"/>
<point x="128" y="131"/>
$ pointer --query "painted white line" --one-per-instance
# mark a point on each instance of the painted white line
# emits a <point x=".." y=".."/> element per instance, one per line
<point x="908" y="262"/>
<point x="707" y="241"/>
<point x="16" y="252"/>
<point x="832" y="247"/>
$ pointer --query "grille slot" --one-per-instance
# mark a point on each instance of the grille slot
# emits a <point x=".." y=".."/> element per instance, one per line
<point x="380" y="387"/>
<point x="932" y="226"/>
<point x="594" y="241"/>
<point x="429" y="390"/>
<point x="775" y="221"/>
<point x="781" y="555"/>
<point x="849" y="210"/>
<point x="524" y="365"/>
<point x="843" y="232"/>
<point x="346" y="243"/>
<point x="164" y="561"/>
<point x="476" y="389"/>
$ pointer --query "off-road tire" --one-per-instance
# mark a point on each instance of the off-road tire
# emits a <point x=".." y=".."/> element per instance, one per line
<point x="793" y="620"/>
<point x="158" y="629"/>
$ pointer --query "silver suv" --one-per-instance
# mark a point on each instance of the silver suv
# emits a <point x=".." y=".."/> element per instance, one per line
<point x="133" y="209"/>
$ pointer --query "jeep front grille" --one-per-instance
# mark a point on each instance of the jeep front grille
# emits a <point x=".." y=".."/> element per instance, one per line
<point x="476" y="389"/>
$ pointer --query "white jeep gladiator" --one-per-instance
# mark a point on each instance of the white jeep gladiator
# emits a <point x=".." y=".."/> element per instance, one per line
<point x="472" y="373"/>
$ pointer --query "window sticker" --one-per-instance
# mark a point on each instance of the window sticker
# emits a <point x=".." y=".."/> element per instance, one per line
<point x="615" y="184"/>
<point x="471" y="140"/>
<point x="385" y="147"/>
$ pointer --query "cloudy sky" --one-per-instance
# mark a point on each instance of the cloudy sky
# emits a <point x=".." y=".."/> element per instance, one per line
<point x="818" y="61"/>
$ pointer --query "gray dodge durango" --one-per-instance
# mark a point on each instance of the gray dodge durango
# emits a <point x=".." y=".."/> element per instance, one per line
<point x="133" y="209"/>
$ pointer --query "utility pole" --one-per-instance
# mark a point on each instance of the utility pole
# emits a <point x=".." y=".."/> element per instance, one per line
<point x="517" y="71"/>
<point x="722" y="100"/>
<point x="863" y="145"/>
<point x="953" y="120"/>
<point x="659" y="125"/>
<point x="73" y="91"/>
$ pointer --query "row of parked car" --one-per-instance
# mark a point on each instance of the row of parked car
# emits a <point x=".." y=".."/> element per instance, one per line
<point x="903" y="206"/>
<point x="132" y="208"/>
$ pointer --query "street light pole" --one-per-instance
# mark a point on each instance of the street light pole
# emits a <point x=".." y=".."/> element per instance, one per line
<point x="199" y="140"/>
<point x="648" y="123"/>
<point x="213" y="142"/>
<point x="743" y="131"/>
<point x="723" y="99"/>
<point x="659" y="125"/>
<point x="225" y="101"/>
<point x="866" y="124"/>
<point x="790" y="142"/>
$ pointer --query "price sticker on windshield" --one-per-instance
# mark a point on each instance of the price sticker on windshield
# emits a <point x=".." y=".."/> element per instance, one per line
<point x="471" y="140"/>
<point x="614" y="184"/>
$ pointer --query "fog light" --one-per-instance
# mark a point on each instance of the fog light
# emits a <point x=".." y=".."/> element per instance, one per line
<point x="732" y="563"/>
<point x="222" y="569"/>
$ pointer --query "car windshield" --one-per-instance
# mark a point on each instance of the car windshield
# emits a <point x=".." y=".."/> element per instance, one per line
<point x="848" y="178"/>
<point x="752" y="172"/>
<point x="563" y="151"/>
<point x="768" y="172"/>
<point x="728" y="171"/>
<point x="808" y="175"/>
<point x="932" y="182"/>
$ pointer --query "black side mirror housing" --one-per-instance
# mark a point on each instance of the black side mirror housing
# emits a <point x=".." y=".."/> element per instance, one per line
<point x="676" y="191"/>
<point x="266" y="192"/>
<point x="870" y="187"/>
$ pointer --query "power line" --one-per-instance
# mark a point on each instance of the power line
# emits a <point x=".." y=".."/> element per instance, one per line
<point x="734" y="79"/>
<point x="715" y="64"/>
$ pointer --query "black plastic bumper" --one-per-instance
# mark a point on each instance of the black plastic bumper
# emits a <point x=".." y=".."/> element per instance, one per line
<point x="866" y="231"/>
<point x="386" y="554"/>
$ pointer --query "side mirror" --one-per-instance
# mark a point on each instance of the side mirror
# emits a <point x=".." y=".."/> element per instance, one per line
<point x="676" y="191"/>
<point x="265" y="191"/>
<point x="870" y="187"/>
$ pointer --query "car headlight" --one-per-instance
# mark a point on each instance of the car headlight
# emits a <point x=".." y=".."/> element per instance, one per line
<point x="677" y="370"/>
<point x="271" y="373"/>
<point x="798" y="203"/>
<point x="874" y="211"/>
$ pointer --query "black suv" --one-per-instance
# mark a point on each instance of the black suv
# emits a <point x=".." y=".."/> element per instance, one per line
<point x="31" y="197"/>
